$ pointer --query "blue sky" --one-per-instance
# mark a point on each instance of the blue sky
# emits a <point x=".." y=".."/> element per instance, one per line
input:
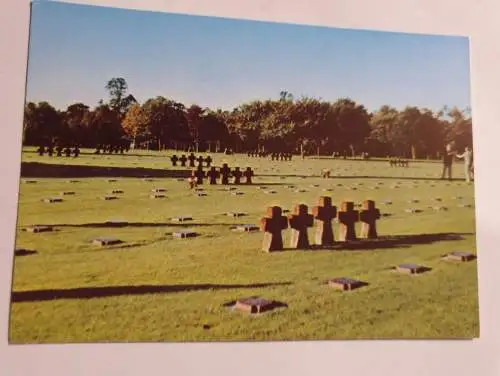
<point x="220" y="63"/>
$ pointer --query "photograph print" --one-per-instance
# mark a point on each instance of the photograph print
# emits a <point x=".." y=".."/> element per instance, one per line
<point x="195" y="179"/>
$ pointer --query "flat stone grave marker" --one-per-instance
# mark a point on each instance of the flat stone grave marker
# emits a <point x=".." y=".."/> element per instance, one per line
<point x="375" y="187"/>
<point x="182" y="219"/>
<point x="157" y="195"/>
<point x="38" y="228"/>
<point x="30" y="181"/>
<point x="230" y="188"/>
<point x="270" y="192"/>
<point x="328" y="189"/>
<point x="67" y="193"/>
<point x="291" y="186"/>
<point x="261" y="187"/>
<point x="158" y="190"/>
<point x="254" y="305"/>
<point x="237" y="193"/>
<point x="345" y="284"/>
<point x="53" y="199"/>
<point x="387" y="202"/>
<point x="413" y="210"/>
<point x="235" y="214"/>
<point x="314" y="185"/>
<point x="201" y="194"/>
<point x="413" y="201"/>
<point x="465" y="205"/>
<point x="116" y="191"/>
<point x="411" y="268"/>
<point x="246" y="228"/>
<point x="300" y="190"/>
<point x="457" y="197"/>
<point x="437" y="199"/>
<point x="340" y="185"/>
<point x="184" y="234"/>
<point x="73" y="181"/>
<point x="111" y="180"/>
<point x="440" y="208"/>
<point x="104" y="241"/>
<point x="109" y="198"/>
<point x="460" y="256"/>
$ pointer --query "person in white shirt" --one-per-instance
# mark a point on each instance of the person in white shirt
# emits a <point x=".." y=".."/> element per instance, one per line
<point x="468" y="165"/>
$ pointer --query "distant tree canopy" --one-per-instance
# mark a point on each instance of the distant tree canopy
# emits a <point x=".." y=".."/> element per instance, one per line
<point x="304" y="125"/>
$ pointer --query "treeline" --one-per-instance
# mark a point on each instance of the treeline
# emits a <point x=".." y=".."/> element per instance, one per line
<point x="303" y="125"/>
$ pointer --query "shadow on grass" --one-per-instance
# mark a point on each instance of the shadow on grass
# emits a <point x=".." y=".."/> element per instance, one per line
<point x="24" y="252"/>
<point x="46" y="170"/>
<point x="146" y="224"/>
<point x="107" y="291"/>
<point x="362" y="177"/>
<point x="390" y="242"/>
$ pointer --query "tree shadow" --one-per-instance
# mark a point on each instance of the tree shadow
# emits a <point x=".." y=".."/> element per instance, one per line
<point x="363" y="177"/>
<point x="46" y="170"/>
<point x="24" y="252"/>
<point x="145" y="224"/>
<point x="108" y="291"/>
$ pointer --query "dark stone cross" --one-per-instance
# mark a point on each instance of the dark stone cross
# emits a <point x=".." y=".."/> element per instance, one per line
<point x="299" y="221"/>
<point x="213" y="175"/>
<point x="59" y="150"/>
<point x="67" y="152"/>
<point x="200" y="161"/>
<point x="248" y="173"/>
<point x="324" y="213"/>
<point x="347" y="218"/>
<point x="76" y="151"/>
<point x="368" y="217"/>
<point x="237" y="175"/>
<point x="199" y="174"/>
<point x="208" y="161"/>
<point x="225" y="171"/>
<point x="183" y="160"/>
<point x="50" y="150"/>
<point x="174" y="160"/>
<point x="191" y="160"/>
<point x="272" y="225"/>
<point x="41" y="150"/>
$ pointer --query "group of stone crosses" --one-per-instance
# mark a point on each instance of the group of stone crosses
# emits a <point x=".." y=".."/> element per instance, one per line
<point x="110" y="149"/>
<point x="225" y="173"/>
<point x="192" y="159"/>
<point x="59" y="151"/>
<point x="274" y="156"/>
<point x="324" y="213"/>
<point x="398" y="162"/>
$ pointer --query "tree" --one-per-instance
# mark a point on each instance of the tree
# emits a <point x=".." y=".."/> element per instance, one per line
<point x="119" y="100"/>
<point x="74" y="121"/>
<point x="353" y="124"/>
<point x="194" y="116"/>
<point x="42" y="124"/>
<point x="135" y="124"/>
<point x="104" y="126"/>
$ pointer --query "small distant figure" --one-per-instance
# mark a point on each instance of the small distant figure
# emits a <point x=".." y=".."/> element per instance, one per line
<point x="468" y="165"/>
<point x="447" y="161"/>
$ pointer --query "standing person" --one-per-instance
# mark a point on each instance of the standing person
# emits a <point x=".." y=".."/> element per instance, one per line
<point x="468" y="166"/>
<point x="447" y="161"/>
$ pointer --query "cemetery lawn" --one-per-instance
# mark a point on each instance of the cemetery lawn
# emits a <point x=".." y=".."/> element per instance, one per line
<point x="153" y="287"/>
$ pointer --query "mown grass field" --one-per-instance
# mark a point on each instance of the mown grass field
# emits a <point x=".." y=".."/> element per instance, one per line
<point x="153" y="287"/>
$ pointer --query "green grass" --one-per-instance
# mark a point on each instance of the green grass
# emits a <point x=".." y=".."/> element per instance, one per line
<point x="199" y="275"/>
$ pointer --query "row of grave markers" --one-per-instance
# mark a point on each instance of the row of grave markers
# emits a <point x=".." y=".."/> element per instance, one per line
<point x="59" y="150"/>
<point x="191" y="159"/>
<point x="300" y="220"/>
<point x="224" y="172"/>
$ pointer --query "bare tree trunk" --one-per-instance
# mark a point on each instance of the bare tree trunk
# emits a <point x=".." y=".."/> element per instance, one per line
<point x="413" y="152"/>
